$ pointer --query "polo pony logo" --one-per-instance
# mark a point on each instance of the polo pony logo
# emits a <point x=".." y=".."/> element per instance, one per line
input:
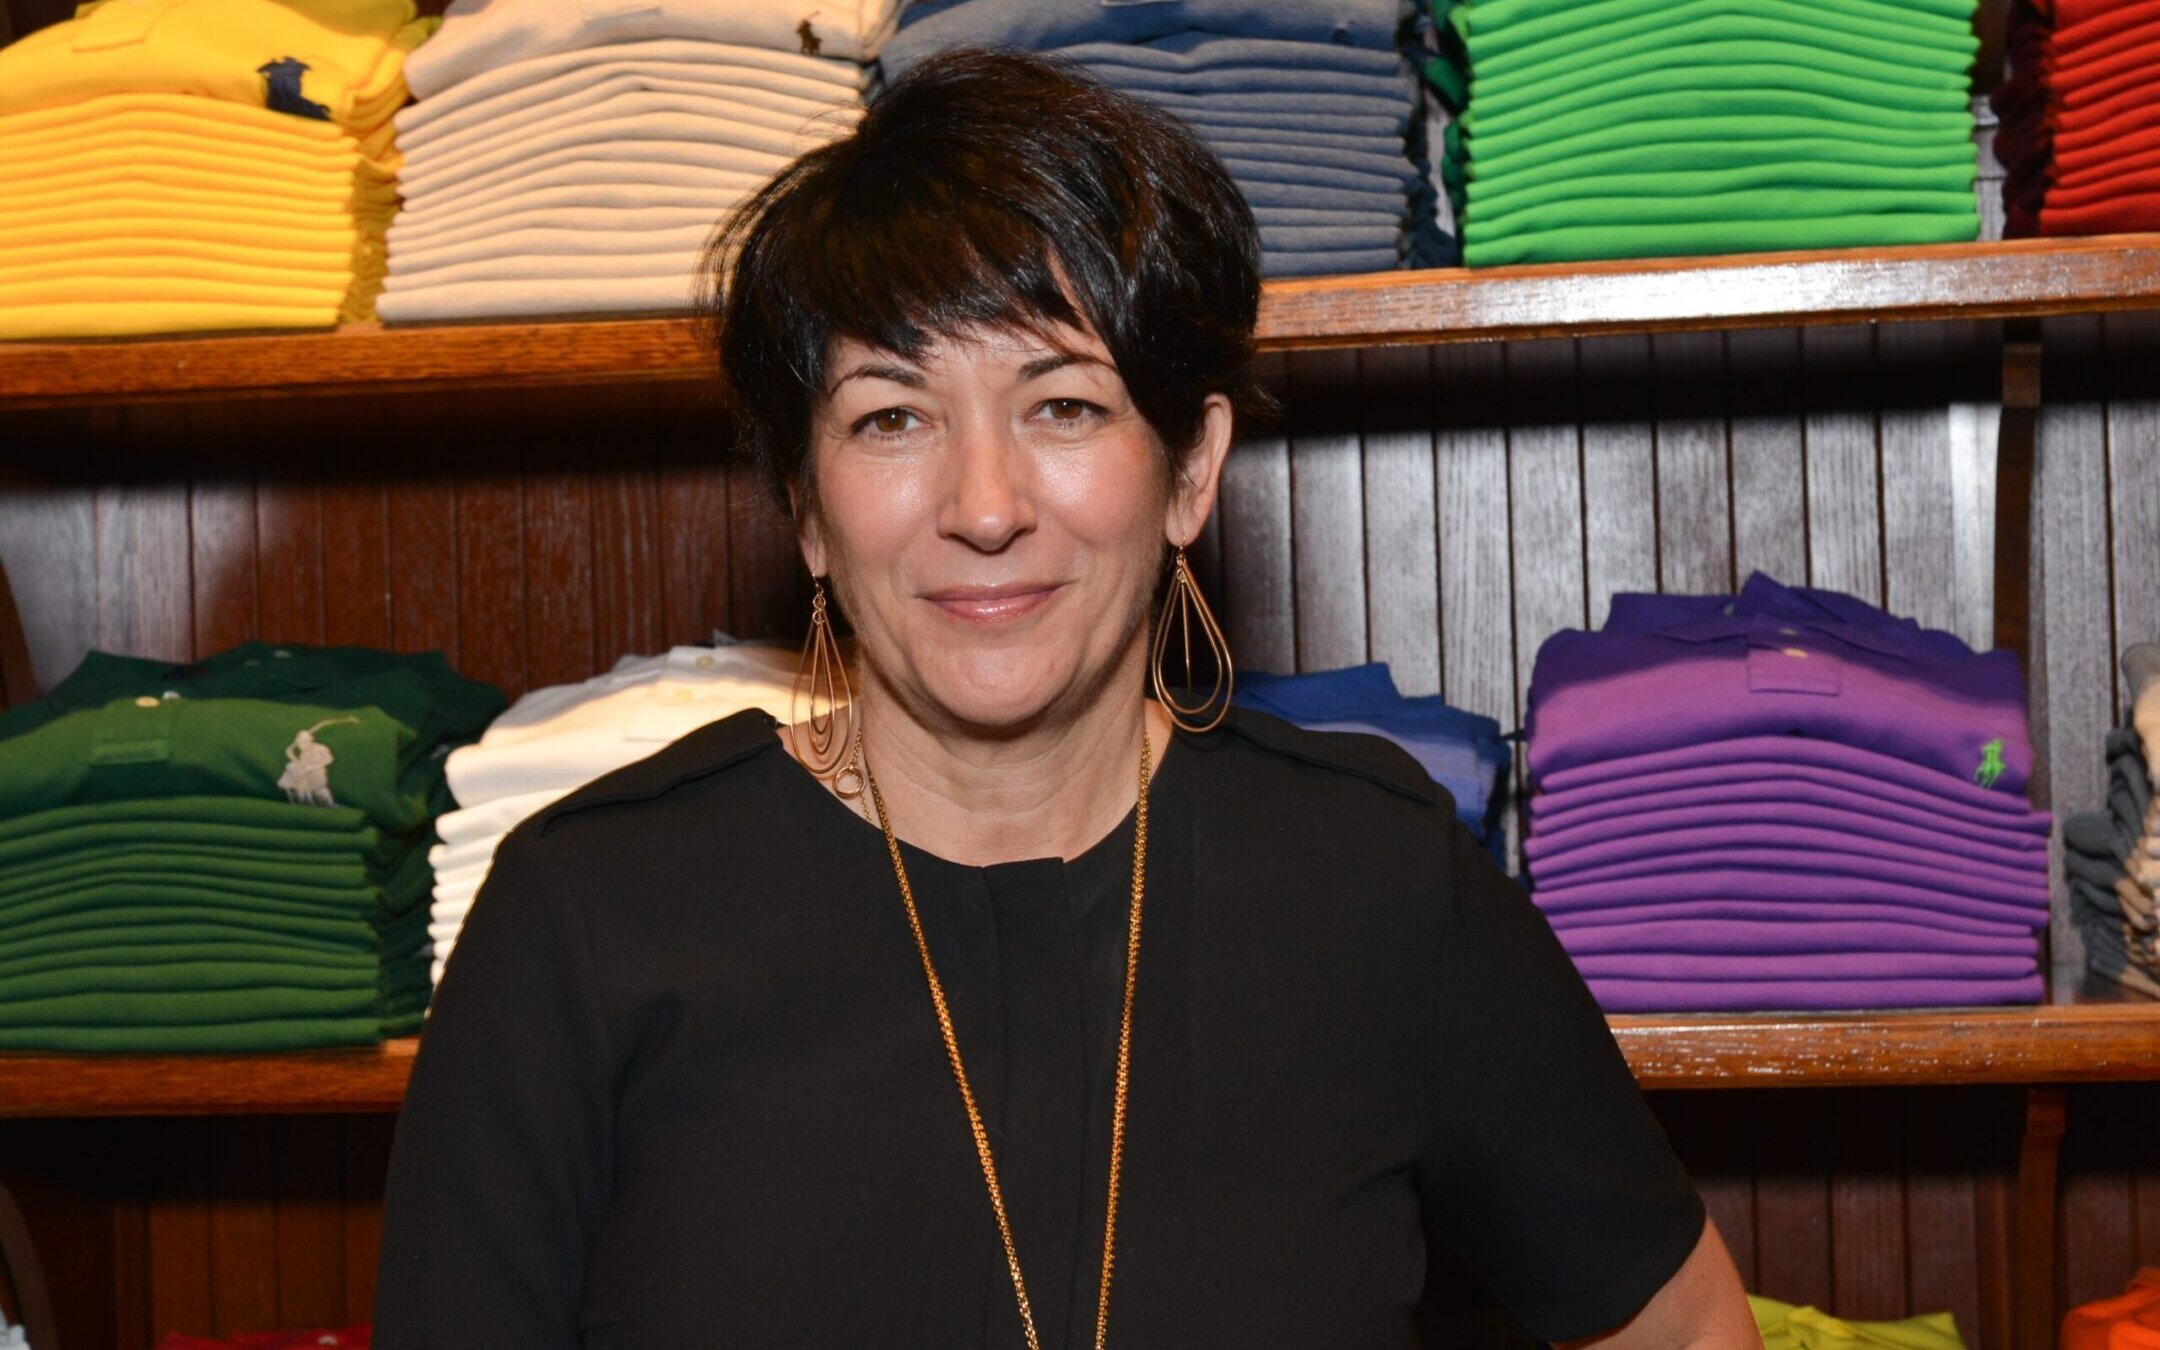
<point x="1991" y="764"/>
<point x="306" y="780"/>
<point x="281" y="89"/>
<point x="812" y="44"/>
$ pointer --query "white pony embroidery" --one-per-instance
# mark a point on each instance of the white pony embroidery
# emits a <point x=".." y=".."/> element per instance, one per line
<point x="306" y="779"/>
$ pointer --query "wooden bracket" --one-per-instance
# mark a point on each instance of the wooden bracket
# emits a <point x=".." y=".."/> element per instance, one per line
<point x="2016" y="450"/>
<point x="20" y="1262"/>
<point x="2034" y="1267"/>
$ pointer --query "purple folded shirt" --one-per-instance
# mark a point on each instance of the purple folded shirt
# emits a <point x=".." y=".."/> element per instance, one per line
<point x="1758" y="822"/>
<point x="1794" y="878"/>
<point x="1771" y="937"/>
<point x="1799" y="915"/>
<point x="1628" y="996"/>
<point x="1680" y="850"/>
<point x="1606" y="695"/>
<point x="1620" y="775"/>
<point x="1643" y="613"/>
<point x="1772" y="787"/>
<point x="1722" y="969"/>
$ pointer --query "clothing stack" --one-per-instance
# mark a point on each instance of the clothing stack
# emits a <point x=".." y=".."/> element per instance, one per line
<point x="1638" y="128"/>
<point x="1311" y="104"/>
<point x="2079" y="119"/>
<point x="555" y="740"/>
<point x="576" y="155"/>
<point x="1462" y="751"/>
<point x="226" y="856"/>
<point x="1784" y="799"/>
<point x="1785" y="1327"/>
<point x="2112" y="856"/>
<point x="199" y="164"/>
<point x="2128" y="1321"/>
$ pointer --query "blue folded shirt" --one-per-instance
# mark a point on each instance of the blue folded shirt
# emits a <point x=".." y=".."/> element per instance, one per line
<point x="1462" y="751"/>
<point x="928" y="26"/>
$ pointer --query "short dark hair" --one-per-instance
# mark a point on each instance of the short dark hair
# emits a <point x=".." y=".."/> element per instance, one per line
<point x="988" y="189"/>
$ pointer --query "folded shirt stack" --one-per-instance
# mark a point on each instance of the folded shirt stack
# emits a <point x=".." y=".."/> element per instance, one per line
<point x="1311" y="104"/>
<point x="1462" y="751"/>
<point x="555" y="740"/>
<point x="2078" y="128"/>
<point x="176" y="165"/>
<point x="2128" y="1321"/>
<point x="1780" y="800"/>
<point x="1633" y="129"/>
<point x="2111" y="857"/>
<point x="227" y="856"/>
<point x="576" y="155"/>
<point x="1785" y="1327"/>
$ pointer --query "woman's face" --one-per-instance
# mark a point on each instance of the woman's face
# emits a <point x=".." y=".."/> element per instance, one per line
<point x="993" y="519"/>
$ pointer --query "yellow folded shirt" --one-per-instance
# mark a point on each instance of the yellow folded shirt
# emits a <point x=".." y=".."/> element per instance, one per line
<point x="1785" y="1327"/>
<point x="205" y="208"/>
<point x="149" y="273"/>
<point x="340" y="61"/>
<point x="275" y="247"/>
<point x="102" y="170"/>
<point x="209" y="120"/>
<point x="141" y="317"/>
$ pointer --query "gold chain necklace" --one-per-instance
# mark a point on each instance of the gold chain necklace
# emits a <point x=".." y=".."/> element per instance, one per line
<point x="967" y="1094"/>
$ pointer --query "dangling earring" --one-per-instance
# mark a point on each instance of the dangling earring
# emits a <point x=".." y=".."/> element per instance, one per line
<point x="827" y="742"/>
<point x="1183" y="607"/>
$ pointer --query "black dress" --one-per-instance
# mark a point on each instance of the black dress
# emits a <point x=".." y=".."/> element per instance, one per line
<point x="682" y="1085"/>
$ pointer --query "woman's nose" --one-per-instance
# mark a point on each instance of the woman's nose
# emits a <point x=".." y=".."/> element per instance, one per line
<point x="989" y="503"/>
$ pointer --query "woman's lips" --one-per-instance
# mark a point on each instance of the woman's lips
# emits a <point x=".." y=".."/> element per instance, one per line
<point x="993" y="604"/>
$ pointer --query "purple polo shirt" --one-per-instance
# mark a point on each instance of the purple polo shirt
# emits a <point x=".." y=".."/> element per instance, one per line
<point x="1643" y="613"/>
<point x="1813" y="995"/>
<point x="1795" y="785"/>
<point x="1679" y="850"/>
<point x="1764" y="875"/>
<point x="1733" y="940"/>
<point x="1631" y="691"/>
<point x="1838" y="866"/>
<point x="1655" y="828"/>
<point x="1706" y="925"/>
<point x="1751" y="756"/>
<point x="1726" y="969"/>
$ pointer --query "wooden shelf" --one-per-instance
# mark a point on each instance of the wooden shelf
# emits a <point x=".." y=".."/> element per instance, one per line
<point x="2078" y="1042"/>
<point x="2023" y="278"/>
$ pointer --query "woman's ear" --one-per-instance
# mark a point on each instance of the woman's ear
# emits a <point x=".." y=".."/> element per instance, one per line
<point x="808" y="537"/>
<point x="1192" y="497"/>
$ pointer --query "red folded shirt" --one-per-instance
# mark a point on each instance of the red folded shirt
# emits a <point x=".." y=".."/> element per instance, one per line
<point x="350" y="1338"/>
<point x="2129" y="1321"/>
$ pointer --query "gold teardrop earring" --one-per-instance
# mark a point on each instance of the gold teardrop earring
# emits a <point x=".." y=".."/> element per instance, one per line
<point x="1183" y="609"/>
<point x="826" y="739"/>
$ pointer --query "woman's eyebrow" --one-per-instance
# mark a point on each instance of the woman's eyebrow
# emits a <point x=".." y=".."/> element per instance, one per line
<point x="872" y="370"/>
<point x="1043" y="365"/>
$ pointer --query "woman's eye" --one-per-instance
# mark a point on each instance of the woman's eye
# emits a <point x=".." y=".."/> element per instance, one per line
<point x="1067" y="409"/>
<point x="889" y="421"/>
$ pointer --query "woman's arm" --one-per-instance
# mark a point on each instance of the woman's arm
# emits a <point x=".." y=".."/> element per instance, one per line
<point x="1702" y="1307"/>
<point x="502" y="1164"/>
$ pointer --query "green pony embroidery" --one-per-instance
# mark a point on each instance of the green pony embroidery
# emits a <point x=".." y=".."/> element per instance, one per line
<point x="1991" y="764"/>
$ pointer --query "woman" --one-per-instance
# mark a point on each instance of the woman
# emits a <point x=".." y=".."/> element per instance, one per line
<point x="997" y="1010"/>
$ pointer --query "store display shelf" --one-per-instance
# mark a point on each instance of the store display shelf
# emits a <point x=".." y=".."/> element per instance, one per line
<point x="2023" y="278"/>
<point x="2086" y="1039"/>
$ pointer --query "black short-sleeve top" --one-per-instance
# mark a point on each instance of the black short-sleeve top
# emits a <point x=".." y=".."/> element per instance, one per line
<point x="682" y="1083"/>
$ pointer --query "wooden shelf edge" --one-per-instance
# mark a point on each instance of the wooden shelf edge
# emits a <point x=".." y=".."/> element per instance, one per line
<point x="2019" y="278"/>
<point x="2064" y="1043"/>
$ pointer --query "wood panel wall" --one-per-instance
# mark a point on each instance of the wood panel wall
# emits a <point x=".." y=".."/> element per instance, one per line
<point x="1442" y="510"/>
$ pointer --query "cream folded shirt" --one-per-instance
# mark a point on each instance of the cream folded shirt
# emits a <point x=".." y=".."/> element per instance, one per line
<point x="638" y="115"/>
<point x="621" y="144"/>
<point x="501" y="97"/>
<point x="564" y="295"/>
<point x="483" y="35"/>
<point x="637" y="209"/>
<point x="574" y="181"/>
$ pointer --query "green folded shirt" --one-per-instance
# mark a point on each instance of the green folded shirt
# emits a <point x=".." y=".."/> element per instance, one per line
<point x="1629" y="45"/>
<point x="1488" y="162"/>
<point x="1583" y="243"/>
<point x="230" y="867"/>
<point x="169" y="932"/>
<point x="1671" y="159"/>
<point x="151" y="955"/>
<point x="1491" y="27"/>
<point x="147" y="748"/>
<point x="1774" y="67"/>
<point x="419" y="689"/>
<point x="1715" y="189"/>
<point x="228" y="1038"/>
<point x="1651" y="116"/>
<point x="356" y="934"/>
<point x="375" y="904"/>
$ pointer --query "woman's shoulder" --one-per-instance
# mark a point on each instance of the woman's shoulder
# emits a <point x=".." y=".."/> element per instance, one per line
<point x="1268" y="755"/>
<point x="646" y="802"/>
